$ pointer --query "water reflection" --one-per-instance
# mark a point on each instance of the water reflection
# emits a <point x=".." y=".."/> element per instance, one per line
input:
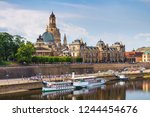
<point x="138" y="90"/>
<point x="115" y="91"/>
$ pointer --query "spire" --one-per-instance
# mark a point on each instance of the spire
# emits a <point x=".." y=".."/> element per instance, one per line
<point x="100" y="38"/>
<point x="52" y="14"/>
<point x="65" y="40"/>
<point x="52" y="21"/>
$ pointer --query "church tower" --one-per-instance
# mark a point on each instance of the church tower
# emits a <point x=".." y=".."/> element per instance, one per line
<point x="65" y="40"/>
<point x="52" y="28"/>
<point x="52" y="21"/>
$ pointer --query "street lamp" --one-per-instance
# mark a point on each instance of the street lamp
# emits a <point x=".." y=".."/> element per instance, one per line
<point x="7" y="75"/>
<point x="7" y="78"/>
<point x="39" y="75"/>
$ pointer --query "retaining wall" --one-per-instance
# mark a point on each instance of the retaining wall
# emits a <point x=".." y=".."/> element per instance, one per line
<point x="58" y="69"/>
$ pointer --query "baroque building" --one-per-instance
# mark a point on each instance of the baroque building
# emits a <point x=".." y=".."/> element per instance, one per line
<point x="100" y="53"/>
<point x="49" y="43"/>
<point x="80" y="49"/>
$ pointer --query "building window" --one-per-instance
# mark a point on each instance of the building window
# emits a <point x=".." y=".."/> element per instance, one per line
<point x="74" y="48"/>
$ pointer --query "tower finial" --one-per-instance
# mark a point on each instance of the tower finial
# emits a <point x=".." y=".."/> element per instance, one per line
<point x="52" y="14"/>
<point x="65" y="40"/>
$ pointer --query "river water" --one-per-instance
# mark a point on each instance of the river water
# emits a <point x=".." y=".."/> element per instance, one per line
<point x="130" y="90"/>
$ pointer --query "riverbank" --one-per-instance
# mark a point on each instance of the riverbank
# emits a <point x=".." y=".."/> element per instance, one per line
<point x="17" y="78"/>
<point x="21" y="85"/>
<point x="60" y="69"/>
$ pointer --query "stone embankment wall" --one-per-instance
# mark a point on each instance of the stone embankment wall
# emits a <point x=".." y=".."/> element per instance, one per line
<point x="105" y="67"/>
<point x="58" y="69"/>
<point x="19" y="87"/>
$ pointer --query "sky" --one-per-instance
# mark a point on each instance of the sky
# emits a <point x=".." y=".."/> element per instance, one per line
<point x="126" y="21"/>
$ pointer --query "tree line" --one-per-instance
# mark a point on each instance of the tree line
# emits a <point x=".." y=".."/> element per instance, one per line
<point x="14" y="48"/>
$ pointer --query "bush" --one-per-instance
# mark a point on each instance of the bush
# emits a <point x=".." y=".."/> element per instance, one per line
<point x="78" y="59"/>
<point x="53" y="59"/>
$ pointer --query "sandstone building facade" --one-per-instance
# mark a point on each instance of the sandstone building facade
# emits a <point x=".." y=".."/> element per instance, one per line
<point x="99" y="53"/>
<point x="49" y="44"/>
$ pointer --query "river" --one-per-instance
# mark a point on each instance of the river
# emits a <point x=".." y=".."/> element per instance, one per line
<point x="129" y="90"/>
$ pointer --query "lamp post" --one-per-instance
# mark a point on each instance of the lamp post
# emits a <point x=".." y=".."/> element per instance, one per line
<point x="7" y="78"/>
<point x="7" y="75"/>
<point x="39" y="75"/>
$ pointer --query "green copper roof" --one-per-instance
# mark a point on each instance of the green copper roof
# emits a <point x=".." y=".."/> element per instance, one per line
<point x="48" y="37"/>
<point x="147" y="52"/>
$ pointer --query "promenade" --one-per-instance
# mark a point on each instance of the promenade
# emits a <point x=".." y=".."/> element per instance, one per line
<point x="35" y="82"/>
<point x="26" y="80"/>
<point x="34" y="79"/>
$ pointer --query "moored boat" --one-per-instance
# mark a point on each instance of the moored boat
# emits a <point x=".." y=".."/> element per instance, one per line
<point x="88" y="82"/>
<point x="57" y="93"/>
<point x="57" y="86"/>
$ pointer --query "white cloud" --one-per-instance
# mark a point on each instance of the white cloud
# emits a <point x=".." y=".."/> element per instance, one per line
<point x="142" y="35"/>
<point x="31" y="23"/>
<point x="4" y="5"/>
<point x="73" y="31"/>
<point x="73" y="5"/>
<point x="27" y="23"/>
<point x="131" y="42"/>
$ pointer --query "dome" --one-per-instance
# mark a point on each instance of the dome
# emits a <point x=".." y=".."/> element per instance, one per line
<point x="100" y="43"/>
<point x="118" y="43"/>
<point x="48" y="37"/>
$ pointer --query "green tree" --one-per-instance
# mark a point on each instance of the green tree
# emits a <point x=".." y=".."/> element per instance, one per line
<point x="25" y="52"/>
<point x="6" y="43"/>
<point x="9" y="45"/>
<point x="17" y="42"/>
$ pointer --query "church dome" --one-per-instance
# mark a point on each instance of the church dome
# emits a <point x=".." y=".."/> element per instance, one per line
<point x="48" y="37"/>
<point x="100" y="43"/>
<point x="118" y="43"/>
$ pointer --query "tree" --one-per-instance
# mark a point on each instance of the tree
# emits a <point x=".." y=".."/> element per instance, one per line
<point x="17" y="42"/>
<point x="6" y="43"/>
<point x="9" y="45"/>
<point x="25" y="52"/>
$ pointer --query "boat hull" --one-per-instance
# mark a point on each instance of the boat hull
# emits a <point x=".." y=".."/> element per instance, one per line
<point x="47" y="89"/>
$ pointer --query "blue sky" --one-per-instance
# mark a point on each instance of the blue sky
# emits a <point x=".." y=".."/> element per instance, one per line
<point x="127" y="21"/>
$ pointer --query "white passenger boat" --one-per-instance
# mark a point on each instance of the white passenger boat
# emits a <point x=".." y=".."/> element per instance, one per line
<point x="88" y="82"/>
<point x="57" y="93"/>
<point x="57" y="86"/>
